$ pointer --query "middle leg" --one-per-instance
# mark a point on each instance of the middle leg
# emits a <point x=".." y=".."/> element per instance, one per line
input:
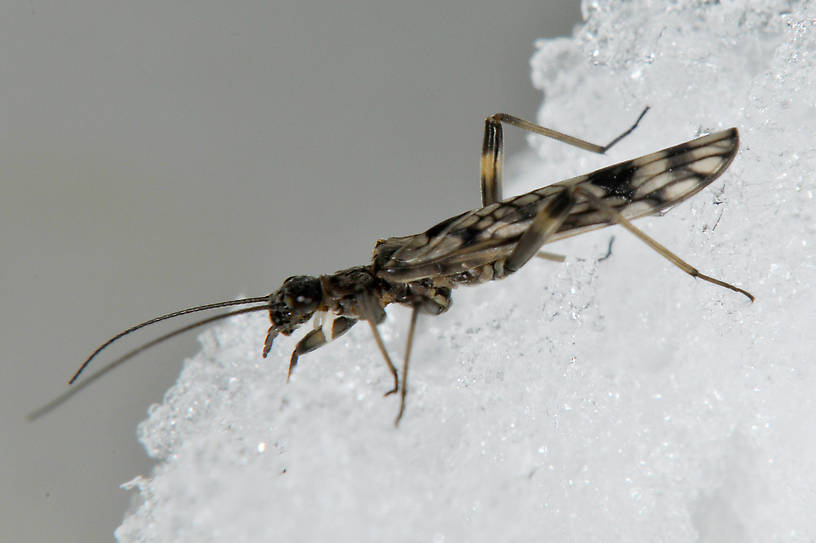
<point x="434" y="301"/>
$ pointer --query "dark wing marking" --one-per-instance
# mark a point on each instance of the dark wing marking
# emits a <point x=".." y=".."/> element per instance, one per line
<point x="635" y="188"/>
<point x="651" y="183"/>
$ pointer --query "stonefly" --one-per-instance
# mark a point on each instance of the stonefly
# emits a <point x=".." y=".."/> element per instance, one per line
<point x="484" y="244"/>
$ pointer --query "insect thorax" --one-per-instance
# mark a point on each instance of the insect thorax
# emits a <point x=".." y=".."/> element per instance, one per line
<point x="360" y="293"/>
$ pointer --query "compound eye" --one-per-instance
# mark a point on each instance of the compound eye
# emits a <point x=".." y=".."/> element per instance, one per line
<point x="302" y="293"/>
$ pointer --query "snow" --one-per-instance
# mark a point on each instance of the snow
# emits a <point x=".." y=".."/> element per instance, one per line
<point x="614" y="399"/>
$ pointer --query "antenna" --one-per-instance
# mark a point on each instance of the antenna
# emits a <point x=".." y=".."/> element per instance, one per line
<point x="174" y="314"/>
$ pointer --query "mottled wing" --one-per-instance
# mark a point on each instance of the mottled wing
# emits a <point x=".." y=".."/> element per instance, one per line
<point x="651" y="183"/>
<point x="635" y="188"/>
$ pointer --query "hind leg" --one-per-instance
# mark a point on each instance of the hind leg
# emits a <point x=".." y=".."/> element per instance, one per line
<point x="493" y="149"/>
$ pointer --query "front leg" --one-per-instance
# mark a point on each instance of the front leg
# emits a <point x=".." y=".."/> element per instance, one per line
<point x="317" y="338"/>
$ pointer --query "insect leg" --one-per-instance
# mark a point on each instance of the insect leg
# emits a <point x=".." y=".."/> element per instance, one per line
<point x="374" y="314"/>
<point x="491" y="167"/>
<point x="433" y="301"/>
<point x="387" y="358"/>
<point x="546" y="223"/>
<point x="616" y="217"/>
<point x="317" y="338"/>
<point x="550" y="256"/>
<point x="408" y="344"/>
<point x="492" y="149"/>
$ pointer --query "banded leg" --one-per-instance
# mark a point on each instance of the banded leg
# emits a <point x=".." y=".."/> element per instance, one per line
<point x="616" y="217"/>
<point x="545" y="224"/>
<point x="317" y="338"/>
<point x="492" y="149"/>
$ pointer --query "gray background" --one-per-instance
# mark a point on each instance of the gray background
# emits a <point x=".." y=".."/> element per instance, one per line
<point x="156" y="156"/>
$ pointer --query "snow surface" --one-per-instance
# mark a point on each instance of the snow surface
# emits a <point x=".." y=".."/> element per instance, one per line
<point x="612" y="400"/>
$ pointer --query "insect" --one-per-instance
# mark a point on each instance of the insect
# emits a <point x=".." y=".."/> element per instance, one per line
<point x="484" y="244"/>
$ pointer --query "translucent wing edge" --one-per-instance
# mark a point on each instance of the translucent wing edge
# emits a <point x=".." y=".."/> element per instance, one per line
<point x="651" y="183"/>
<point x="636" y="188"/>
